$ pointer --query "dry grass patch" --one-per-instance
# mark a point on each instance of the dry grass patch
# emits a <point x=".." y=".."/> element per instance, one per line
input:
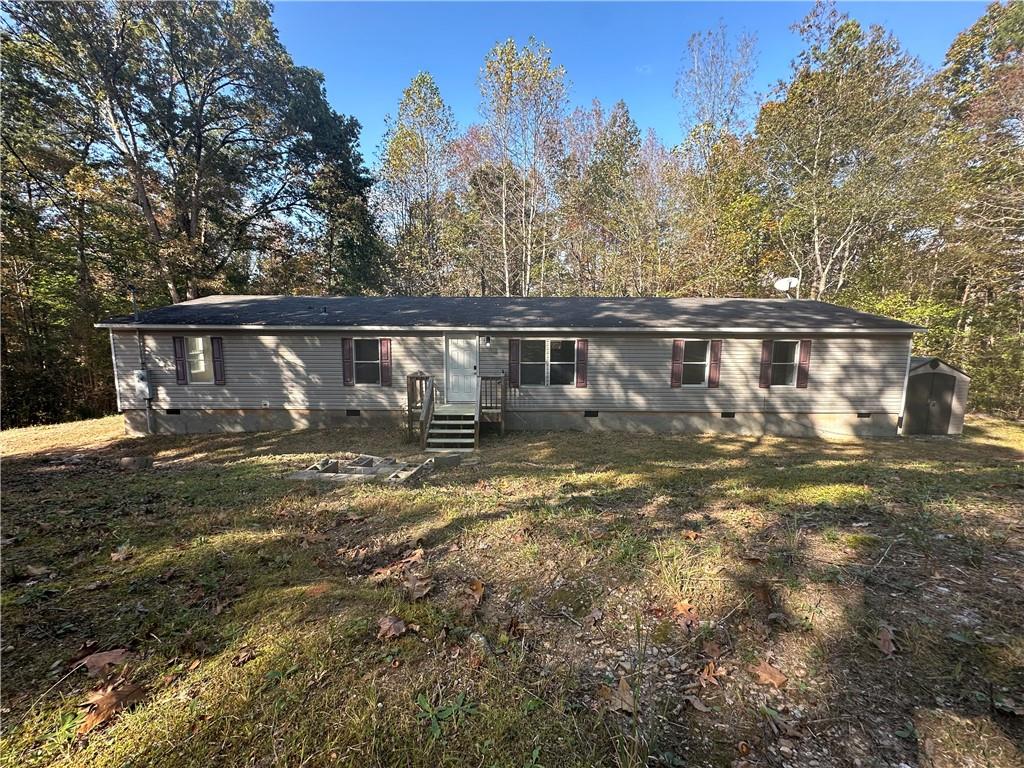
<point x="595" y="599"/>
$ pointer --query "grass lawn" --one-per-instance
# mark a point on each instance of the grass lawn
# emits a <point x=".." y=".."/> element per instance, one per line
<point x="558" y="600"/>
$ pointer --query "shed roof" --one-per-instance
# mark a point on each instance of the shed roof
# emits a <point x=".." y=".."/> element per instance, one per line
<point x="778" y="316"/>
<point x="917" y="361"/>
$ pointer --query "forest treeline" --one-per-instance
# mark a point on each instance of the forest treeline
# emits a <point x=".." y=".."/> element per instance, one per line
<point x="175" y="149"/>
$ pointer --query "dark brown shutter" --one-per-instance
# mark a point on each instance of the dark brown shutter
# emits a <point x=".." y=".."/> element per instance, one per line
<point x="513" y="363"/>
<point x="348" y="377"/>
<point x="385" y="362"/>
<point x="217" y="347"/>
<point x="582" y="347"/>
<point x="677" y="362"/>
<point x="805" y="364"/>
<point x="715" y="363"/>
<point x="766" y="363"/>
<point x="180" y="360"/>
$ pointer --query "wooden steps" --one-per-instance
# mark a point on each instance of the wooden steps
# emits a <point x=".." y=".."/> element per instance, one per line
<point x="450" y="430"/>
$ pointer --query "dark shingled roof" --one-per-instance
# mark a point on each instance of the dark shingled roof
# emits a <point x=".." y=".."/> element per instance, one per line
<point x="535" y="313"/>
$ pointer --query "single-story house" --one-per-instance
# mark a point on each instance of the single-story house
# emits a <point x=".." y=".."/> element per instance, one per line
<point x="238" y="363"/>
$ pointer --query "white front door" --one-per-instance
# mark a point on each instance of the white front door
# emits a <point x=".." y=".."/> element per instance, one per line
<point x="461" y="369"/>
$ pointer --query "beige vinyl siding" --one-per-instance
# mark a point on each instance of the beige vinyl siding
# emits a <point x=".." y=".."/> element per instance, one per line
<point x="303" y="369"/>
<point x="281" y="370"/>
<point x="634" y="373"/>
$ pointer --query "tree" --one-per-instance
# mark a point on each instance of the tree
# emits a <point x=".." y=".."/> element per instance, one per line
<point x="837" y="147"/>
<point x="523" y="101"/>
<point x="199" y="107"/>
<point x="716" y="226"/>
<point x="413" y="195"/>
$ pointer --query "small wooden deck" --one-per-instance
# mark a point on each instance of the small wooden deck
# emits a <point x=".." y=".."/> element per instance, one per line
<point x="453" y="426"/>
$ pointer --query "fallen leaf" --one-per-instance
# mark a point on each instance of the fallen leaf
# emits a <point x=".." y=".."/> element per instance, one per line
<point x="691" y="535"/>
<point x="107" y="702"/>
<point x="685" y="615"/>
<point x="122" y="553"/>
<point x="246" y="654"/>
<point x="708" y="675"/>
<point x="697" y="704"/>
<point x="768" y="675"/>
<point x="592" y="618"/>
<point x="37" y="570"/>
<point x="417" y="586"/>
<point x="713" y="649"/>
<point x="390" y="627"/>
<point x="476" y="590"/>
<point x="97" y="664"/>
<point x="886" y="640"/>
<point x="619" y="698"/>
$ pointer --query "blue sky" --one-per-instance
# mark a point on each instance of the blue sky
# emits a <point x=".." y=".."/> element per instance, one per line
<point x="369" y="52"/>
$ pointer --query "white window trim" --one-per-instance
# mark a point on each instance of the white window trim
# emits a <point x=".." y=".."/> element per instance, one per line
<point x="796" y="364"/>
<point x="707" y="365"/>
<point x="547" y="363"/>
<point x="207" y="344"/>
<point x="356" y="362"/>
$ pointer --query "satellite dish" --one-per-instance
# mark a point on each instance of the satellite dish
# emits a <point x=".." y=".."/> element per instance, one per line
<point x="786" y="284"/>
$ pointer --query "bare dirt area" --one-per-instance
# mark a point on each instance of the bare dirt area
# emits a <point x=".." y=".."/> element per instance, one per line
<point x="557" y="599"/>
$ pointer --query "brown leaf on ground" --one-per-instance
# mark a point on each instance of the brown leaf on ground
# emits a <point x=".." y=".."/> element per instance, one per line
<point x="246" y="654"/>
<point x="685" y="615"/>
<point x="417" y="586"/>
<point x="697" y="704"/>
<point x="97" y="664"/>
<point x="476" y="591"/>
<point x="768" y="675"/>
<point x="35" y="571"/>
<point x="886" y="640"/>
<point x="619" y="698"/>
<point x="105" y="703"/>
<point x="690" y="535"/>
<point x="713" y="650"/>
<point x="122" y="553"/>
<point x="412" y="557"/>
<point x="592" y="618"/>
<point x="708" y="675"/>
<point x="390" y="627"/>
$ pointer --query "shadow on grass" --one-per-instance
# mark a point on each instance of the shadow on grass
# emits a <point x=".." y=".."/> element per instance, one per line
<point x="226" y="552"/>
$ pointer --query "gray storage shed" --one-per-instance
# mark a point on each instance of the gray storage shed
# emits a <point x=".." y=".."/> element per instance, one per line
<point x="936" y="398"/>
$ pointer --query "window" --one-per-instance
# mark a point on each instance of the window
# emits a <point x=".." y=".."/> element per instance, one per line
<point x="199" y="352"/>
<point x="563" y="363"/>
<point x="367" y="361"/>
<point x="695" y="363"/>
<point x="547" y="362"/>
<point x="784" y="363"/>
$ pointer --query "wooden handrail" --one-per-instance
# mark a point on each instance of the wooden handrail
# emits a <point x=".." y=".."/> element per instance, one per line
<point x="427" y="411"/>
<point x="476" y="415"/>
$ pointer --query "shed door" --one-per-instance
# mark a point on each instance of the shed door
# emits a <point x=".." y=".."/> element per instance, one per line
<point x="461" y="369"/>
<point x="929" y="404"/>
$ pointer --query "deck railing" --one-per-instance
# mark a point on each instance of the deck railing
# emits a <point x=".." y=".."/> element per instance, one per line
<point x="494" y="396"/>
<point x="427" y="411"/>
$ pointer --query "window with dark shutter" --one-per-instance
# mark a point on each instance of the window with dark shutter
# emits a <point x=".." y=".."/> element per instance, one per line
<point x="715" y="364"/>
<point x="385" y="362"/>
<point x="804" y="369"/>
<point x="367" y="361"/>
<point x="582" y="354"/>
<point x="677" y="363"/>
<point x="513" y="363"/>
<point x="180" y="360"/>
<point x="217" y="349"/>
<point x="766" y="364"/>
<point x="347" y="375"/>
